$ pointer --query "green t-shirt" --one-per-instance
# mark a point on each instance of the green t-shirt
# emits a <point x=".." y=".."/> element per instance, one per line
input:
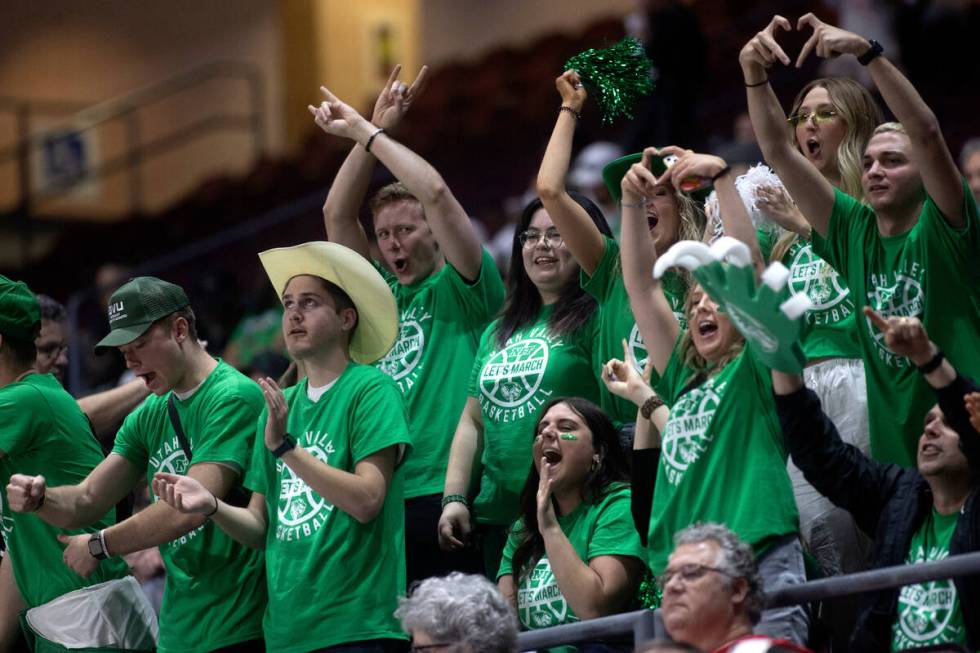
<point x="441" y="319"/>
<point x="511" y="383"/>
<point x="332" y="579"/>
<point x="215" y="587"/>
<point x="929" y="272"/>
<point x="722" y="458"/>
<point x="593" y="529"/>
<point x="43" y="431"/>
<point x="616" y="322"/>
<point x="929" y="613"/>
<point x="832" y="321"/>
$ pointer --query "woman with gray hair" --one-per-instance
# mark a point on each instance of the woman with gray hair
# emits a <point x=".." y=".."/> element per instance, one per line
<point x="458" y="613"/>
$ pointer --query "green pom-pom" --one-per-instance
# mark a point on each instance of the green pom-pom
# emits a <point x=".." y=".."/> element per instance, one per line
<point x="616" y="77"/>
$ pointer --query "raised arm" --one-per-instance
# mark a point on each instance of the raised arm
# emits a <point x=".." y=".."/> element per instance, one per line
<point x="593" y="588"/>
<point x="580" y="234"/>
<point x="813" y="194"/>
<point x="462" y="471"/>
<point x="449" y="223"/>
<point x="340" y="211"/>
<point x="653" y="313"/>
<point x="936" y="164"/>
<point x="734" y="217"/>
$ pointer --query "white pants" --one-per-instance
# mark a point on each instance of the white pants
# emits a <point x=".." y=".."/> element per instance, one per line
<point x="830" y="533"/>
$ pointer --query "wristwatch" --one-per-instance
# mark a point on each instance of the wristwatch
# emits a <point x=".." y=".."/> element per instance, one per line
<point x="874" y="51"/>
<point x="96" y="546"/>
<point x="288" y="444"/>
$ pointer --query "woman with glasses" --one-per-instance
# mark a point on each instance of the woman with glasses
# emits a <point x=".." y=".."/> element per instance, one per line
<point x="721" y="456"/>
<point x="574" y="553"/>
<point x="539" y="348"/>
<point x="831" y="121"/>
<point x="671" y="216"/>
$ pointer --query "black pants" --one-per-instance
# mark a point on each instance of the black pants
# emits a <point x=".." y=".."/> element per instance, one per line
<point x="423" y="557"/>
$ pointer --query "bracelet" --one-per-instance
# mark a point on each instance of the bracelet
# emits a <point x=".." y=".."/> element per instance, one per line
<point x="873" y="53"/>
<point x="724" y="171"/>
<point x="638" y="205"/>
<point x="764" y="81"/>
<point x="578" y="116"/>
<point x="215" y="511"/>
<point x="455" y="498"/>
<point x="652" y="403"/>
<point x="933" y="363"/>
<point x="105" y="549"/>
<point x="367" y="146"/>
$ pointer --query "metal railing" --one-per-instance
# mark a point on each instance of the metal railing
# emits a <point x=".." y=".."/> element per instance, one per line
<point x="644" y="625"/>
<point x="127" y="108"/>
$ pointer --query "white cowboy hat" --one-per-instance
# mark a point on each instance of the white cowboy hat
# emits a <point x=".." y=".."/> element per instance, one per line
<point x="377" y="323"/>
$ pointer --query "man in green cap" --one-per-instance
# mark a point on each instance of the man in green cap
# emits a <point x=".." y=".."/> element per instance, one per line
<point x="42" y="431"/>
<point x="202" y="407"/>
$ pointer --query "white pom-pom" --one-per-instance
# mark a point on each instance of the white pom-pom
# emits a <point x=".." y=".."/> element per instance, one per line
<point x="747" y="186"/>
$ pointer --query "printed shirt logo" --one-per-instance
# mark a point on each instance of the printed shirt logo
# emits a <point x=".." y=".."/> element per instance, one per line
<point x="637" y="348"/>
<point x="6" y="522"/>
<point x="895" y="295"/>
<point x="539" y="601"/>
<point x="170" y="458"/>
<point x="510" y="380"/>
<point x="926" y="610"/>
<point x="812" y="276"/>
<point x="686" y="437"/>
<point x="402" y="361"/>
<point x="301" y="511"/>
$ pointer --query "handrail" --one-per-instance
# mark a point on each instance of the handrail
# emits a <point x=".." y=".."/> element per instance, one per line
<point x="644" y="625"/>
<point x="127" y="107"/>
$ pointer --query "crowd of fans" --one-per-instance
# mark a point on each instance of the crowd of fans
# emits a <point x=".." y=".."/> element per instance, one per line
<point x="590" y="437"/>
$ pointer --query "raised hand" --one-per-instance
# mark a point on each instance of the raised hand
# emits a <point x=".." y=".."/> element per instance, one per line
<point x="571" y="90"/>
<point x="622" y="379"/>
<point x="25" y="493"/>
<point x="396" y="98"/>
<point x="690" y="167"/>
<point x="184" y="494"/>
<point x="546" y="508"/>
<point x="275" y="423"/>
<point x="779" y="206"/>
<point x="828" y="40"/>
<point x="904" y="335"/>
<point x="77" y="556"/>
<point x="336" y="117"/>
<point x="454" y="526"/>
<point x="762" y="50"/>
<point x="639" y="181"/>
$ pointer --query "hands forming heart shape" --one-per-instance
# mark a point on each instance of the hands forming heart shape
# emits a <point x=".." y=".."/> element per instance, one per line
<point x="827" y="40"/>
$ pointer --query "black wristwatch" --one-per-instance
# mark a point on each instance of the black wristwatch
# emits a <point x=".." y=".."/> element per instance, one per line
<point x="288" y="444"/>
<point x="873" y="52"/>
<point x="96" y="546"/>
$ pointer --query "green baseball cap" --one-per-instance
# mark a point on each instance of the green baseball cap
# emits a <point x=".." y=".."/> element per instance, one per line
<point x="615" y="170"/>
<point x="20" y="315"/>
<point x="136" y="305"/>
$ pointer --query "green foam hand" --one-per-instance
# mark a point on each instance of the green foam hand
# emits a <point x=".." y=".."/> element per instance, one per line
<point x="766" y="314"/>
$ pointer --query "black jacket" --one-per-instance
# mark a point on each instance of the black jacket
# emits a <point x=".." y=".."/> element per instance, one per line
<point x="888" y="502"/>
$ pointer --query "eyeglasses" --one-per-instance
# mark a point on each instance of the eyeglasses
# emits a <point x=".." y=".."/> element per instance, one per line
<point x="419" y="648"/>
<point x="532" y="237"/>
<point x="52" y="349"/>
<point x="820" y="116"/>
<point x="688" y="573"/>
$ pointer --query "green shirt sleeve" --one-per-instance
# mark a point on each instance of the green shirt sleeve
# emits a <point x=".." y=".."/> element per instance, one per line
<point x="258" y="474"/>
<point x="614" y="532"/>
<point x="130" y="443"/>
<point x="226" y="436"/>
<point x="507" y="559"/>
<point x="22" y="416"/>
<point x="848" y="220"/>
<point x="482" y="298"/>
<point x="604" y="277"/>
<point x="380" y="421"/>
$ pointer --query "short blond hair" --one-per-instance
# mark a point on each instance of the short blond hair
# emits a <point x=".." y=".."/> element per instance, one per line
<point x="388" y="195"/>
<point x="892" y="127"/>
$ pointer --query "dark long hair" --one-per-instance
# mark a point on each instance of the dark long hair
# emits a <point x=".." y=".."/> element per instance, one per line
<point x="574" y="306"/>
<point x="611" y="472"/>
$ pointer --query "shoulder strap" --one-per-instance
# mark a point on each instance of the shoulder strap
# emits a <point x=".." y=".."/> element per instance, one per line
<point x="178" y="429"/>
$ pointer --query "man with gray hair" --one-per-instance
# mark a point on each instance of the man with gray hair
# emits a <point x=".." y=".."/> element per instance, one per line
<point x="712" y="590"/>
<point x="462" y="613"/>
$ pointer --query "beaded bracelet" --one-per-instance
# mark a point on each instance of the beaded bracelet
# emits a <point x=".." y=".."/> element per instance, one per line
<point x="578" y="116"/>
<point x="455" y="498"/>
<point x="652" y="403"/>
